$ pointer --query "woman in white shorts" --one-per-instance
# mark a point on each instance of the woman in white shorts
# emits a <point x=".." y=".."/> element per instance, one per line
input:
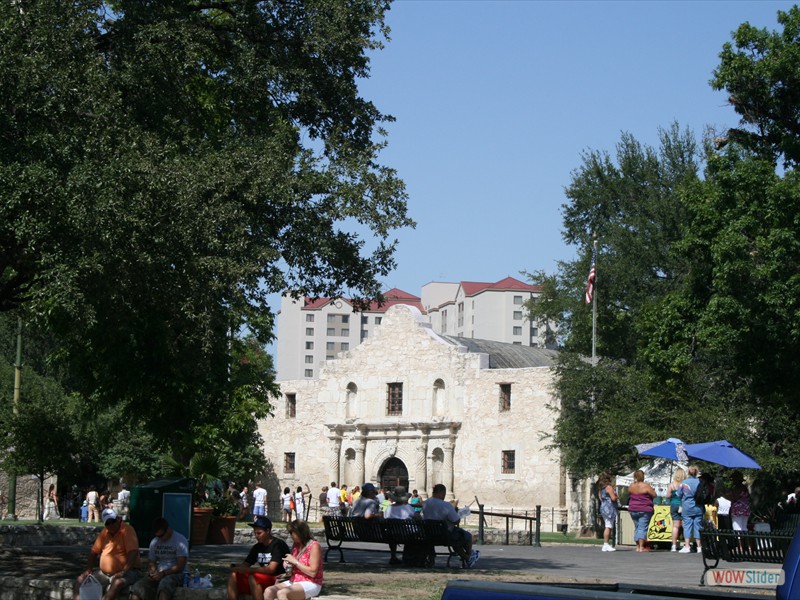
<point x="304" y="564"/>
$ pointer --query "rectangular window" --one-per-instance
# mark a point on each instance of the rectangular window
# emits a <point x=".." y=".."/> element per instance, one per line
<point x="309" y="318"/>
<point x="345" y="333"/>
<point x="509" y="461"/>
<point x="518" y="300"/>
<point x="309" y="345"/>
<point x="309" y="373"/>
<point x="378" y="320"/>
<point x="345" y="318"/>
<point x="505" y="397"/>
<point x="394" y="399"/>
<point x="291" y="406"/>
<point x="365" y="320"/>
<point x="345" y="346"/>
<point x="330" y="345"/>
<point x="330" y="331"/>
<point x="309" y="331"/>
<point x="535" y="331"/>
<point x="309" y="359"/>
<point x="364" y="335"/>
<point x="288" y="462"/>
<point x="331" y="318"/>
<point x="329" y="357"/>
<point x="517" y="330"/>
<point x="518" y="315"/>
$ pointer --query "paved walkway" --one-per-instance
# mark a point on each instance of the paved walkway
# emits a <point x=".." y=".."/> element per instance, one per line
<point x="563" y="562"/>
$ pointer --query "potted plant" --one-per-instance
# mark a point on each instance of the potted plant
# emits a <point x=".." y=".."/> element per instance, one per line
<point x="223" y="523"/>
<point x="203" y="468"/>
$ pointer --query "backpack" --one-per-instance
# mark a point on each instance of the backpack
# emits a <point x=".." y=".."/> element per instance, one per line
<point x="701" y="495"/>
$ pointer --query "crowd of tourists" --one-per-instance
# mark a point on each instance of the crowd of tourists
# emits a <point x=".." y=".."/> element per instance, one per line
<point x="694" y="499"/>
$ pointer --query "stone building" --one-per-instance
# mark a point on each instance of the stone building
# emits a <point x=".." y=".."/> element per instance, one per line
<point x="27" y="503"/>
<point x="412" y="407"/>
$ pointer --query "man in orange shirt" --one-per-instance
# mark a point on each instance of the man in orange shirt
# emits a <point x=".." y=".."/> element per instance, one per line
<point x="118" y="549"/>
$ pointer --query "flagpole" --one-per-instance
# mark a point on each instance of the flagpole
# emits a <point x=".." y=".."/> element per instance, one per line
<point x="594" y="309"/>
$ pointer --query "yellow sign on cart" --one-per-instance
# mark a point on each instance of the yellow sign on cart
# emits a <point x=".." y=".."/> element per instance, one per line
<point x="660" y="528"/>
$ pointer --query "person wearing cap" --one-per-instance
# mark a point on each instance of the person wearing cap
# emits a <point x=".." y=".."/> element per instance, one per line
<point x="367" y="506"/>
<point x="118" y="549"/>
<point x="399" y="509"/>
<point x="167" y="556"/>
<point x="261" y="566"/>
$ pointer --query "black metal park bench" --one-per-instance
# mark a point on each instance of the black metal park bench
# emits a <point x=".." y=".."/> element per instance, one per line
<point x="414" y="535"/>
<point x="742" y="546"/>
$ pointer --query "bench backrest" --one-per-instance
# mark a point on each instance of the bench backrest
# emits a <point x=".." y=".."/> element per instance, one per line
<point x="401" y="531"/>
<point x="745" y="546"/>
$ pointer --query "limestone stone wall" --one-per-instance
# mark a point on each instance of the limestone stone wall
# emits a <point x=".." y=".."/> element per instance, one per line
<point x="451" y="429"/>
<point x="27" y="490"/>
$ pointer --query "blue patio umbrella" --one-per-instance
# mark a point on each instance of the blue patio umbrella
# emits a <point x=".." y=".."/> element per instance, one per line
<point x="671" y="449"/>
<point x="722" y="452"/>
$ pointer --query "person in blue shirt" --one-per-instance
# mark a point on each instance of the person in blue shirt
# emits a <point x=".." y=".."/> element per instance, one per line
<point x="691" y="513"/>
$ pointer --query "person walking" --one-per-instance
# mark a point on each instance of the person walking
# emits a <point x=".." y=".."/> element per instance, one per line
<point x="259" y="501"/>
<point x="608" y="509"/>
<point x="51" y="504"/>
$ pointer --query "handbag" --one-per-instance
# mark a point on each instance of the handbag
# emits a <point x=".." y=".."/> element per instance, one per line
<point x="292" y="505"/>
<point x="91" y="589"/>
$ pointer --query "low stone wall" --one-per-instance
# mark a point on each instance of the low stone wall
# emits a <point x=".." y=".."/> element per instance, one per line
<point x="46" y="535"/>
<point x="24" y="536"/>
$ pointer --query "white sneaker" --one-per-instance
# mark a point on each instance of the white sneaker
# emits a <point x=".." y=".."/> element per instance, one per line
<point x="685" y="550"/>
<point x="674" y="548"/>
<point x="609" y="548"/>
<point x="473" y="558"/>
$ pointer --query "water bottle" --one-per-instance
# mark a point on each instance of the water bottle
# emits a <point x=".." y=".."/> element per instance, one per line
<point x="196" y="579"/>
<point x="186" y="577"/>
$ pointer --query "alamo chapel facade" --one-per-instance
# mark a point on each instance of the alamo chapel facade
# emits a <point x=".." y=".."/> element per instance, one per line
<point x="414" y="408"/>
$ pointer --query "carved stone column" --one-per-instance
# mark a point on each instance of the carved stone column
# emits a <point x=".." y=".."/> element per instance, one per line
<point x="447" y="466"/>
<point x="421" y="457"/>
<point x="360" y="452"/>
<point x="334" y="465"/>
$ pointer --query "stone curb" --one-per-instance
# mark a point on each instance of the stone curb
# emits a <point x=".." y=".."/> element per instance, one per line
<point x="13" y="588"/>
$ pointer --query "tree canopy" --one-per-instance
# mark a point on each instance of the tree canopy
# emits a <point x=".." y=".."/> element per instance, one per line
<point x="697" y="278"/>
<point x="164" y="166"/>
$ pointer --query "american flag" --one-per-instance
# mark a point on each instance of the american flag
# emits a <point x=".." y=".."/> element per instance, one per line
<point x="592" y="277"/>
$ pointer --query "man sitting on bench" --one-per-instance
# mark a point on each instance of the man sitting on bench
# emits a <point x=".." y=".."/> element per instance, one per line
<point x="435" y="508"/>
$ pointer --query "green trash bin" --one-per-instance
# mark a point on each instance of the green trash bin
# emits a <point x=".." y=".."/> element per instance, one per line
<point x="168" y="498"/>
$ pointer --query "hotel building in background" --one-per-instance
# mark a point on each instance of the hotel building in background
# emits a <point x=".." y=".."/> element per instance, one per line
<point x="311" y="331"/>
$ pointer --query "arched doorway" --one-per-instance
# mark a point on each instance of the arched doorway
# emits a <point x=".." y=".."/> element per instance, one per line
<point x="393" y="473"/>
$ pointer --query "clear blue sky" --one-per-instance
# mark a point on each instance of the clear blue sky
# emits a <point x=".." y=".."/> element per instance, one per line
<point x="495" y="101"/>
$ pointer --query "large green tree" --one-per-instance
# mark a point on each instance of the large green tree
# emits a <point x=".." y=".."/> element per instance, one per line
<point x="760" y="70"/>
<point x="698" y="288"/>
<point x="164" y="166"/>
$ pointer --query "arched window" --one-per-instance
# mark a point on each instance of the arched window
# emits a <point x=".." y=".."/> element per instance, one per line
<point x="439" y="401"/>
<point x="352" y="400"/>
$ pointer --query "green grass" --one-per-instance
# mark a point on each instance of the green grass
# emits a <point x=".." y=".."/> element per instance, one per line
<point x="570" y="538"/>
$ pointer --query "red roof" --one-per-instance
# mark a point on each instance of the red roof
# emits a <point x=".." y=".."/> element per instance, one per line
<point x="392" y="297"/>
<point x="473" y="288"/>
